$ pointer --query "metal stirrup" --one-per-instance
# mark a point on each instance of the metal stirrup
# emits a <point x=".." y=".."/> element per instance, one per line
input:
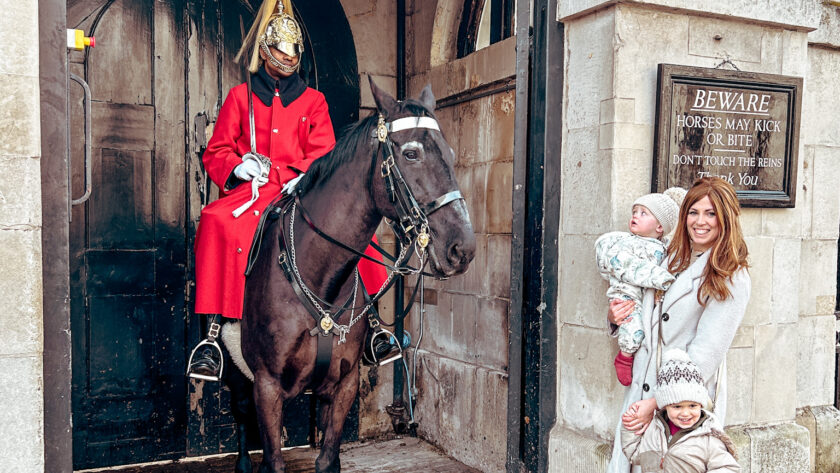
<point x="212" y="334"/>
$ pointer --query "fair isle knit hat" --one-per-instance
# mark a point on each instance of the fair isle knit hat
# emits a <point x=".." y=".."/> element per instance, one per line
<point x="679" y="380"/>
<point x="665" y="206"/>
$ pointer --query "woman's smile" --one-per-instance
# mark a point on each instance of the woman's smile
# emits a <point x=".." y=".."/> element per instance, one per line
<point x="702" y="225"/>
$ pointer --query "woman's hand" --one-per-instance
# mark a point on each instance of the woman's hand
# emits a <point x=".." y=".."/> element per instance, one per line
<point x="639" y="415"/>
<point x="619" y="311"/>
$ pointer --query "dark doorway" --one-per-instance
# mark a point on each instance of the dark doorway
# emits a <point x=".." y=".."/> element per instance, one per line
<point x="158" y="75"/>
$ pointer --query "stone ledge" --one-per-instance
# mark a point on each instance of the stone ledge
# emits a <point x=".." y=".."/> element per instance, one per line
<point x="795" y="14"/>
<point x="823" y="424"/>
<point x="571" y="451"/>
<point x="780" y="448"/>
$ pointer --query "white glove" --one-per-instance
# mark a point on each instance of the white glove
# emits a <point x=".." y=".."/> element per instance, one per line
<point x="247" y="170"/>
<point x="289" y="186"/>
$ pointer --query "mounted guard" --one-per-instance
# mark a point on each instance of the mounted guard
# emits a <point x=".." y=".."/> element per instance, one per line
<point x="267" y="134"/>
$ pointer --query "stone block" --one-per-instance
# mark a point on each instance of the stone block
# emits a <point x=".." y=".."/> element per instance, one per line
<point x="22" y="414"/>
<point x="498" y="266"/>
<point x="741" y="444"/>
<point x="499" y="213"/>
<point x="427" y="410"/>
<point x="805" y="418"/>
<point x="583" y="298"/>
<point x="475" y="281"/>
<point x="819" y="258"/>
<point x="805" y="187"/>
<point x="716" y="38"/>
<point x="617" y="110"/>
<point x="386" y="83"/>
<point x="784" y="307"/>
<point x="816" y="360"/>
<point x="826" y="448"/>
<point x="437" y="327"/>
<point x="781" y="448"/>
<point x="820" y="102"/>
<point x="761" y="280"/>
<point x="744" y="337"/>
<point x="473" y="183"/>
<point x="22" y="316"/>
<point x="774" y="388"/>
<point x="631" y="171"/>
<point x="469" y="135"/>
<point x="472" y="436"/>
<point x="802" y="14"/>
<point x="794" y="53"/>
<point x="376" y="391"/>
<point x="19" y="35"/>
<point x="638" y="33"/>
<point x="491" y="346"/>
<point x="587" y="177"/>
<point x="20" y="202"/>
<point x="783" y="223"/>
<point x="502" y="108"/>
<point x="625" y="136"/>
<point x="589" y="397"/>
<point x="739" y="385"/>
<point x="826" y="199"/>
<point x="570" y="451"/>
<point x="589" y="68"/>
<point x="20" y="115"/>
<point x="462" y="346"/>
<point x="374" y="33"/>
<point x="828" y="33"/>
<point x="751" y="222"/>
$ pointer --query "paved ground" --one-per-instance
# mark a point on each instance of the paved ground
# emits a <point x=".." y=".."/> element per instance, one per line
<point x="388" y="456"/>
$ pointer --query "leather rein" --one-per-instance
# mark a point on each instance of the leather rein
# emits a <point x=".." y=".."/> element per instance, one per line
<point x="411" y="227"/>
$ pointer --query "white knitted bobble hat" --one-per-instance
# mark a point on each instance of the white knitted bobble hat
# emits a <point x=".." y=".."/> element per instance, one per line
<point x="679" y="380"/>
<point x="665" y="206"/>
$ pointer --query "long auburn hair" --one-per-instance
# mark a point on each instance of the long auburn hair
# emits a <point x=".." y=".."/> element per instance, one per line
<point x="728" y="253"/>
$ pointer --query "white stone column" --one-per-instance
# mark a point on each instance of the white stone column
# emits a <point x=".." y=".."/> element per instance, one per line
<point x="21" y="321"/>
<point x="782" y="357"/>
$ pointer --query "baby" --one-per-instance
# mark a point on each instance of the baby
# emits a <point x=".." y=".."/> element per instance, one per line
<point x="630" y="262"/>
<point x="683" y="437"/>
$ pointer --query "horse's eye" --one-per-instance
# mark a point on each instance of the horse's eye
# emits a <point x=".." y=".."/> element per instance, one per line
<point x="411" y="155"/>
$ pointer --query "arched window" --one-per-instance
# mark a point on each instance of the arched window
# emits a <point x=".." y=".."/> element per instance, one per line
<point x="484" y="22"/>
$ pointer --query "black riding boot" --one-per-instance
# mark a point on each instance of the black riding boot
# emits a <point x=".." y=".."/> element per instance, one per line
<point x="206" y="358"/>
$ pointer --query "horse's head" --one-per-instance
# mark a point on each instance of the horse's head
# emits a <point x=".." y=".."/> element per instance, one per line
<point x="423" y="160"/>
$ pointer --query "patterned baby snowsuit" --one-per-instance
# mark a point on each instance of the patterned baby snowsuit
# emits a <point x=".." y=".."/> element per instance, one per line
<point x="631" y="263"/>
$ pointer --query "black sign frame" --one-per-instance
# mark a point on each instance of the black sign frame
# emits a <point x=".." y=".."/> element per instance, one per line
<point x="784" y="196"/>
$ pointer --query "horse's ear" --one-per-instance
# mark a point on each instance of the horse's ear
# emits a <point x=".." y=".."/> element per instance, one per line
<point x="384" y="102"/>
<point x="427" y="98"/>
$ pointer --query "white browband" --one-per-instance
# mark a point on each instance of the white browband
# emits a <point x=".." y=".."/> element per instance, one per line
<point x="408" y="123"/>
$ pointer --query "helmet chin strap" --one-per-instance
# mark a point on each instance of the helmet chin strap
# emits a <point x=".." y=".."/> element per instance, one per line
<point x="274" y="62"/>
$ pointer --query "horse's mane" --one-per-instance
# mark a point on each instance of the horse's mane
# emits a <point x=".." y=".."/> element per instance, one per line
<point x="353" y="137"/>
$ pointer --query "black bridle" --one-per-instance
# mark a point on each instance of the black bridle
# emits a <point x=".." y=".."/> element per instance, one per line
<point x="412" y="221"/>
<point x="411" y="227"/>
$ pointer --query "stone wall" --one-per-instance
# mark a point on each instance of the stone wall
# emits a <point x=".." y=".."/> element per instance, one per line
<point x="462" y="363"/>
<point x="21" y="366"/>
<point x="612" y="53"/>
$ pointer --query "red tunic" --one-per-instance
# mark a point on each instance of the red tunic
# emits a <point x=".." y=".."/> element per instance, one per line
<point x="292" y="137"/>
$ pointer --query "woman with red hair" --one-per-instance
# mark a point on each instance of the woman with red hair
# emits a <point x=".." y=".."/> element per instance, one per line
<point x="699" y="313"/>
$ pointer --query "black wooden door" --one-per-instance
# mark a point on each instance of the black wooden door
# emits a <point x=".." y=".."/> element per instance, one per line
<point x="158" y="76"/>
<point x="128" y="245"/>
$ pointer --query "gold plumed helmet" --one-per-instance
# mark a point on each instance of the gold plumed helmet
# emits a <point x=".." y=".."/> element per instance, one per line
<point x="274" y="26"/>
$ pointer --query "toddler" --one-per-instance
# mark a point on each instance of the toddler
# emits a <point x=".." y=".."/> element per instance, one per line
<point x="683" y="437"/>
<point x="630" y="262"/>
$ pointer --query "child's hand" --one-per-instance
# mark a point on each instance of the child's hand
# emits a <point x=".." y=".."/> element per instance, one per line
<point x="619" y="311"/>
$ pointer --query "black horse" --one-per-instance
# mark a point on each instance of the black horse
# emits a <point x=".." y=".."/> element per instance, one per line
<point x="395" y="164"/>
